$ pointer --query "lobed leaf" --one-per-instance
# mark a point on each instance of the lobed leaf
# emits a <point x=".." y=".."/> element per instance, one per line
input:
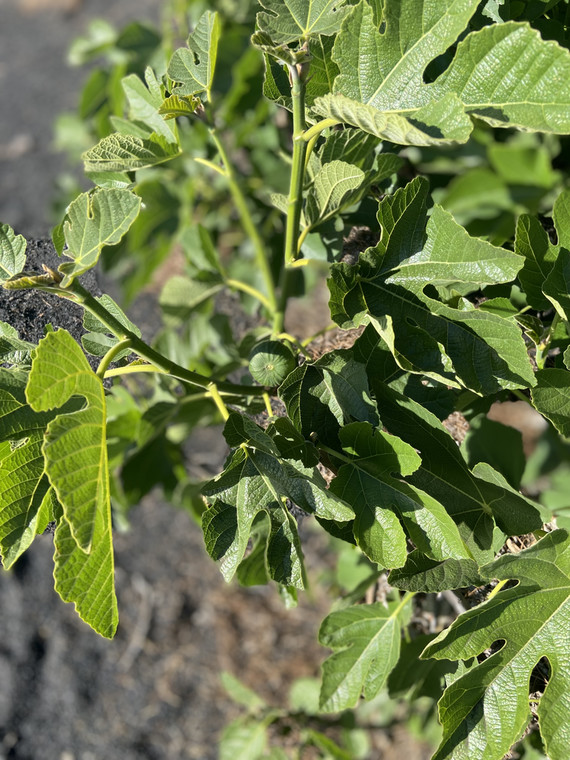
<point x="75" y="447"/>
<point x="257" y="480"/>
<point x="23" y="485"/>
<point x="485" y="711"/>
<point x="481" y="350"/>
<point x="504" y="74"/>
<point x="145" y="101"/>
<point x="387" y="508"/>
<point x="286" y="21"/>
<point x="474" y="503"/>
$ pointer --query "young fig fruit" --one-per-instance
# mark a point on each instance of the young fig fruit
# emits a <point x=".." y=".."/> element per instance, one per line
<point x="271" y="361"/>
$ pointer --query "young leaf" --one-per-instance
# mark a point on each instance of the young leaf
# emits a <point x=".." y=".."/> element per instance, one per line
<point x="503" y="73"/>
<point x="176" y="105"/>
<point x="12" y="252"/>
<point x="366" y="640"/>
<point x="381" y="501"/>
<point x="483" y="351"/>
<point x="289" y="21"/>
<point x="126" y="153"/>
<point x="93" y="221"/>
<point x="485" y="711"/>
<point x="145" y="102"/>
<point x="75" y="447"/>
<point x="194" y="67"/>
<point x="334" y="187"/>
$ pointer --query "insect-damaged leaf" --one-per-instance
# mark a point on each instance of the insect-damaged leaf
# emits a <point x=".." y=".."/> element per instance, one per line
<point x="504" y="73"/>
<point x="485" y="711"/>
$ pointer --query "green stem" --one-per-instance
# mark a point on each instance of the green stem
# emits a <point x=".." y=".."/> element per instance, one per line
<point x="247" y="222"/>
<point x="110" y="355"/>
<point x="250" y="290"/>
<point x="222" y="408"/>
<point x="319" y="127"/>
<point x="544" y="345"/>
<point x="295" y="201"/>
<point x="77" y="293"/>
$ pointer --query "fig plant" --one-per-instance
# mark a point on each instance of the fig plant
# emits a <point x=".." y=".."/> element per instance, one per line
<point x="440" y="317"/>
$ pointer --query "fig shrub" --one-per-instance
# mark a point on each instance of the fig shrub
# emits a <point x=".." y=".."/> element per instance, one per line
<point x="410" y="152"/>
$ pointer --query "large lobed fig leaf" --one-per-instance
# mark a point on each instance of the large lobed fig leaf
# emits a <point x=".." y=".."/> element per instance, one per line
<point x="485" y="711"/>
<point x="504" y="74"/>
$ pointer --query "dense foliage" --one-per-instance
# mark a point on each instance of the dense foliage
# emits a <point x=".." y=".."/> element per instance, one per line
<point x="410" y="150"/>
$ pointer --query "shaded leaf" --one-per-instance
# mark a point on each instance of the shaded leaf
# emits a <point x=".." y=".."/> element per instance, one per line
<point x="420" y="573"/>
<point x="366" y="640"/>
<point x="473" y="503"/>
<point x="255" y="481"/>
<point x="23" y="485"/>
<point x="333" y="188"/>
<point x="370" y="484"/>
<point x="323" y="396"/>
<point x="484" y="351"/>
<point x="551" y="397"/>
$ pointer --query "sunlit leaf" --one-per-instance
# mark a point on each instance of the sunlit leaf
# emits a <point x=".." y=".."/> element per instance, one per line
<point x="486" y="710"/>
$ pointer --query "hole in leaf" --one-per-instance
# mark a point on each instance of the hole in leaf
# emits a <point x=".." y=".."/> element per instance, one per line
<point x="540" y="677"/>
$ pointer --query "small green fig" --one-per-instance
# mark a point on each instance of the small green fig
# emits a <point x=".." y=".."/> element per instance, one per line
<point x="270" y="362"/>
